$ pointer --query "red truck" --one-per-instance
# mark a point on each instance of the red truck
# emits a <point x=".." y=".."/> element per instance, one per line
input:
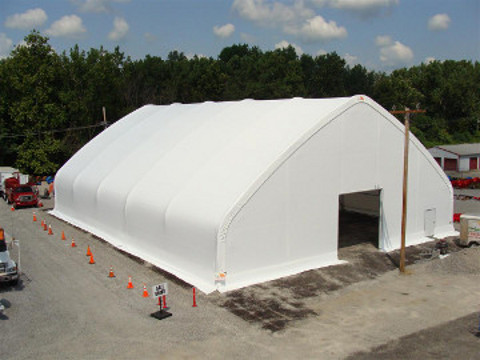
<point x="20" y="194"/>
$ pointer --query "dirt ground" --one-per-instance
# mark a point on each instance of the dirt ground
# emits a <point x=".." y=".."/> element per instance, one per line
<point x="276" y="304"/>
<point x="439" y="342"/>
<point x="65" y="308"/>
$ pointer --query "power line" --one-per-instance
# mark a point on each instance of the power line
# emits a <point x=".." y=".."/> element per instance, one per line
<point x="103" y="124"/>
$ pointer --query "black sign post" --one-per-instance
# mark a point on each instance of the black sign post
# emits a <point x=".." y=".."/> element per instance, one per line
<point x="157" y="292"/>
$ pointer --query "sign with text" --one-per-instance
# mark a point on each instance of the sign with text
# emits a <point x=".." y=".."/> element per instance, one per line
<point x="473" y="229"/>
<point x="159" y="290"/>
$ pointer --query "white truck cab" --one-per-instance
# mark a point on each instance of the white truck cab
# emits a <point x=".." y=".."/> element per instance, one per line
<point x="8" y="267"/>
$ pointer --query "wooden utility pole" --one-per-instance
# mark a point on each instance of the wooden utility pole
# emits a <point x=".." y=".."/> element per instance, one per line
<point x="104" y="117"/>
<point x="407" y="113"/>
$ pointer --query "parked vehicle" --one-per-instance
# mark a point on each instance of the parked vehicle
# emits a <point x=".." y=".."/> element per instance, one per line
<point x="9" y="184"/>
<point x="8" y="267"/>
<point x="20" y="195"/>
<point x="7" y="172"/>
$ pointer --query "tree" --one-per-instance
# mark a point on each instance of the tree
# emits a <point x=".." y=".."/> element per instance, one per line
<point x="145" y="81"/>
<point x="279" y="75"/>
<point x="35" y="109"/>
<point x="239" y="67"/>
<point x="8" y="144"/>
<point x="324" y="76"/>
<point x="358" y="80"/>
<point x="51" y="105"/>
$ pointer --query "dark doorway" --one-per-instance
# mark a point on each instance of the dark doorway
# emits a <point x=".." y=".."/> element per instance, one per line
<point x="358" y="218"/>
<point x="450" y="164"/>
<point x="473" y="163"/>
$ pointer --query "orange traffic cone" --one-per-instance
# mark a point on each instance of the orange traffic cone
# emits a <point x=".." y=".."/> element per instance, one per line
<point x="145" y="292"/>
<point x="73" y="243"/>
<point x="45" y="227"/>
<point x="89" y="253"/>
<point x="34" y="216"/>
<point x="42" y="223"/>
<point x="130" y="285"/>
<point x="91" y="259"/>
<point x="50" y="232"/>
<point x="111" y="274"/>
<point x="63" y="236"/>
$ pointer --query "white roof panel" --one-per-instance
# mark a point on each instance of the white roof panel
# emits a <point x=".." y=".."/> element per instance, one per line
<point x="462" y="149"/>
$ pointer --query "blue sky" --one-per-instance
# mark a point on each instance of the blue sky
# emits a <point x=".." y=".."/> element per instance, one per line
<point x="379" y="34"/>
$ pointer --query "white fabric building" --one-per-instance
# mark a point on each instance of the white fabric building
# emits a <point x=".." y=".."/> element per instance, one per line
<point x="249" y="189"/>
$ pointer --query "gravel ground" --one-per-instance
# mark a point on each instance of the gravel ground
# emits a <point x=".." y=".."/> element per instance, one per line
<point x="467" y="206"/>
<point x="65" y="308"/>
<point x="439" y="342"/>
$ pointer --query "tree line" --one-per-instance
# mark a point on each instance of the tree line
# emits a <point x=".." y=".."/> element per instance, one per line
<point x="51" y="104"/>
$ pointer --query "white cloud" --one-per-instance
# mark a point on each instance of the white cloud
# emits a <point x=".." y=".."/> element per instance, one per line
<point x="317" y="29"/>
<point x="271" y="13"/>
<point x="383" y="40"/>
<point x="321" y="52"/>
<point x="97" y="6"/>
<point x="362" y="5"/>
<point x="285" y="44"/>
<point x="439" y="22"/>
<point x="393" y="53"/>
<point x="364" y="8"/>
<point x="28" y="20"/>
<point x="429" y="60"/>
<point x="120" y="29"/>
<point x="69" y="26"/>
<point x="5" y="45"/>
<point x="224" y="31"/>
<point x="295" y="17"/>
<point x="351" y="60"/>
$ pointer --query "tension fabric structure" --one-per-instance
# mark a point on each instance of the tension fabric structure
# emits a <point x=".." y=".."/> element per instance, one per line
<point x="229" y="194"/>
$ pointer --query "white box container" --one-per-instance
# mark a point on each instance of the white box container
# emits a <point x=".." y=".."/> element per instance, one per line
<point x="469" y="229"/>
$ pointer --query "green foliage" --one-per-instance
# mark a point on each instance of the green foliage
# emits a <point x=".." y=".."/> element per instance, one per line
<point x="34" y="106"/>
<point x="325" y="75"/>
<point x="38" y="156"/>
<point x="51" y="104"/>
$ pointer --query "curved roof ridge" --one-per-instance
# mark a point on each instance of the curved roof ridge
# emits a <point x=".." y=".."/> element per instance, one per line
<point x="256" y="185"/>
<point x="116" y="126"/>
<point x="212" y="160"/>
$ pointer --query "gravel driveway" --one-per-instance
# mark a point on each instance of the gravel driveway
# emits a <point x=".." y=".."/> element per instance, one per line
<point x="66" y="308"/>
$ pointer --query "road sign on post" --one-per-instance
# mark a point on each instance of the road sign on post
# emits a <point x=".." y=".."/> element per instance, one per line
<point x="159" y="290"/>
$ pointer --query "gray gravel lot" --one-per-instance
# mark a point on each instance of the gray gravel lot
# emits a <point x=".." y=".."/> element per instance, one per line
<point x="456" y="339"/>
<point x="65" y="308"/>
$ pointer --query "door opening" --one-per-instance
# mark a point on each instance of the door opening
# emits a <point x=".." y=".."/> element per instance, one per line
<point x="358" y="218"/>
<point x="429" y="221"/>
